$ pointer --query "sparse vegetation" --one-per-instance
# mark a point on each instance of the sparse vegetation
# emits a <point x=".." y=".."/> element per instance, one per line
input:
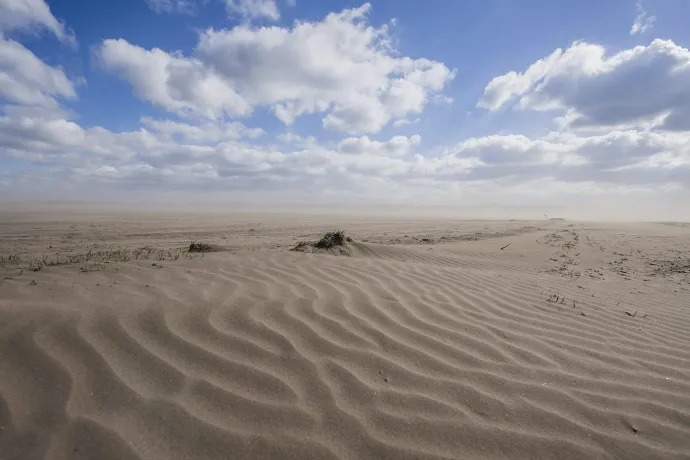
<point x="335" y="240"/>
<point x="331" y="240"/>
<point x="554" y="298"/>
<point x="94" y="260"/>
<point x="196" y="246"/>
<point x="670" y="266"/>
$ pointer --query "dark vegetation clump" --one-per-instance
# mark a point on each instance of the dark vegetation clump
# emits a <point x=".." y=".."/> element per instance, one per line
<point x="331" y="240"/>
<point x="200" y="247"/>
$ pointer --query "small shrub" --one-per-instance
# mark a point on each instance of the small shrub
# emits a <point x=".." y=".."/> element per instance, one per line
<point x="331" y="240"/>
<point x="200" y="247"/>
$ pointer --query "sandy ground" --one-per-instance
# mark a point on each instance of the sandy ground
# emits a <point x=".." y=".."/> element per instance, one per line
<point x="427" y="341"/>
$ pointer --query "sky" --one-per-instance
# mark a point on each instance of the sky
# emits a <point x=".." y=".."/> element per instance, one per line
<point x="579" y="104"/>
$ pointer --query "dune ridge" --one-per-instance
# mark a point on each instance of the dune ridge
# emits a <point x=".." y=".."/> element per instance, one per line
<point x="448" y="351"/>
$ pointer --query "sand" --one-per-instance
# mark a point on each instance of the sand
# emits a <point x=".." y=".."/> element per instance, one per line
<point x="427" y="341"/>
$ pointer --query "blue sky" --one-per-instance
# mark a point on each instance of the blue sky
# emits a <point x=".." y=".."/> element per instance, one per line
<point x="517" y="102"/>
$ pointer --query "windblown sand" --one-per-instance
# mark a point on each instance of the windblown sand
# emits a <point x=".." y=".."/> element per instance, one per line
<point x="428" y="341"/>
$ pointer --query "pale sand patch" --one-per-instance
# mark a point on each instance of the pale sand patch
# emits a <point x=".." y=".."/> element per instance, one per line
<point x="428" y="341"/>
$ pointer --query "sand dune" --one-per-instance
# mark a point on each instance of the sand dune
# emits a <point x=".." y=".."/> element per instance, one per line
<point x="450" y="348"/>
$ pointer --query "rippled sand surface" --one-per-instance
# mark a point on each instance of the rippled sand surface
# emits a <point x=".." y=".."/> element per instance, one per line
<point x="427" y="341"/>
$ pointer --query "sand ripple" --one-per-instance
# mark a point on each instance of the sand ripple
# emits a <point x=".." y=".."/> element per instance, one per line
<point x="396" y="352"/>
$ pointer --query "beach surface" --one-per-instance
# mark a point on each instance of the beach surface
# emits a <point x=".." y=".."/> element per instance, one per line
<point x="427" y="338"/>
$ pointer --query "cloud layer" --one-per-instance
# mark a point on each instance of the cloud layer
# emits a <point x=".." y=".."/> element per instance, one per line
<point x="340" y="67"/>
<point x="638" y="87"/>
<point x="621" y="121"/>
<point x="254" y="8"/>
<point x="27" y="84"/>
<point x="31" y="15"/>
<point x="26" y="80"/>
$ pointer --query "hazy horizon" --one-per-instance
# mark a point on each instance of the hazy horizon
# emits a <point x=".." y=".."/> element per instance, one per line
<point x="357" y="211"/>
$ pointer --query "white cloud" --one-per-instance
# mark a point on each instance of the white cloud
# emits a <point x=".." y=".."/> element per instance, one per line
<point x="643" y="22"/>
<point x="35" y="111"/>
<point x="155" y="149"/>
<point x="635" y="106"/>
<point x="604" y="173"/>
<point x="172" y="6"/>
<point x="29" y="14"/>
<point x="182" y="85"/>
<point x="341" y="67"/>
<point x="26" y="80"/>
<point x="248" y="9"/>
<point x="289" y="137"/>
<point x="202" y="132"/>
<point x="396" y="146"/>
<point x="165" y="155"/>
<point x="519" y="150"/>
<point x="663" y="160"/>
<point x="642" y="86"/>
<point x="587" y="155"/>
<point x="405" y="121"/>
<point x="502" y="89"/>
<point x="254" y="8"/>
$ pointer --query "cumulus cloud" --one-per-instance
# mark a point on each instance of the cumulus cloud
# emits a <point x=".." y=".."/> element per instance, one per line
<point x="643" y="22"/>
<point x="519" y="150"/>
<point x="642" y="86"/>
<point x="573" y="157"/>
<point x="178" y="84"/>
<point x="26" y="80"/>
<point x="348" y="73"/>
<point x="29" y="15"/>
<point x="506" y="87"/>
<point x="341" y="67"/>
<point x="164" y="155"/>
<point x="175" y="151"/>
<point x="254" y="8"/>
